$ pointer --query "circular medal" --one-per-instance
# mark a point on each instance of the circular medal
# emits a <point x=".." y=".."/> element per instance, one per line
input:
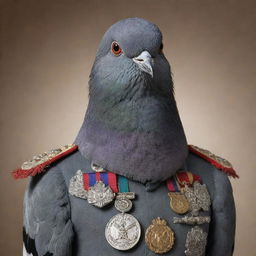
<point x="123" y="231"/>
<point x="159" y="237"/>
<point x="179" y="202"/>
<point x="123" y="205"/>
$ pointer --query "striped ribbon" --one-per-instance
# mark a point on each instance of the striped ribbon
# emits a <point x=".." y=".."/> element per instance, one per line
<point x="181" y="179"/>
<point x="117" y="184"/>
<point x="108" y="178"/>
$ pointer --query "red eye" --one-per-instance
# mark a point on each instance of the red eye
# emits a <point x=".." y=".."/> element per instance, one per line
<point x="116" y="49"/>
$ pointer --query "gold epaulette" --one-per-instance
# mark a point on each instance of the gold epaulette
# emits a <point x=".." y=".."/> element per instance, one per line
<point x="40" y="162"/>
<point x="219" y="162"/>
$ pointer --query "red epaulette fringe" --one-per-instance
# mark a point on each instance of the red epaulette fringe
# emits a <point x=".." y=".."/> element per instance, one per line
<point x="228" y="170"/>
<point x="24" y="173"/>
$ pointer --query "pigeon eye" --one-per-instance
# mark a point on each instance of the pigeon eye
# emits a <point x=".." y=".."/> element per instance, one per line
<point x="116" y="49"/>
<point x="161" y="48"/>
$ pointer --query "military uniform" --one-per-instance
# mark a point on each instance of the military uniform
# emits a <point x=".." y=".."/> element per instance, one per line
<point x="165" y="225"/>
<point x="129" y="186"/>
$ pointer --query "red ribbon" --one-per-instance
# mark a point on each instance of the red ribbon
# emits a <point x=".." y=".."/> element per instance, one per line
<point x="108" y="178"/>
<point x="180" y="180"/>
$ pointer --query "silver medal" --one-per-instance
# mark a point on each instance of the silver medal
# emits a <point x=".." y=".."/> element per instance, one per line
<point x="192" y="220"/>
<point x="123" y="231"/>
<point x="202" y="196"/>
<point x="198" y="197"/>
<point x="100" y="195"/>
<point x="76" y="186"/>
<point x="196" y="242"/>
<point x="123" y="205"/>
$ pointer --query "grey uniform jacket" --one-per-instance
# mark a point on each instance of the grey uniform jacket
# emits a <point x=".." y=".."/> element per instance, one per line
<point x="59" y="224"/>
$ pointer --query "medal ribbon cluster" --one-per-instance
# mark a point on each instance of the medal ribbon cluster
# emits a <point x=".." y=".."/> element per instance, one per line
<point x="100" y="188"/>
<point x="117" y="183"/>
<point x="123" y="231"/>
<point x="187" y="195"/>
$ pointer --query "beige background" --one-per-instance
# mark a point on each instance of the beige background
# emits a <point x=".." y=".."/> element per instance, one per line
<point x="46" y="52"/>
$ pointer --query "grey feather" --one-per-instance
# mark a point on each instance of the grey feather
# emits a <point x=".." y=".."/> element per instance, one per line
<point x="222" y="229"/>
<point x="47" y="214"/>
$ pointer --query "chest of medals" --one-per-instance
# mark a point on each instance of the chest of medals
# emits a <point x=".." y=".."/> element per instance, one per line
<point x="189" y="202"/>
<point x="188" y="198"/>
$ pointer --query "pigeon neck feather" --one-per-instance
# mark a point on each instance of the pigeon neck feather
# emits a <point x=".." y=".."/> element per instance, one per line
<point x="142" y="139"/>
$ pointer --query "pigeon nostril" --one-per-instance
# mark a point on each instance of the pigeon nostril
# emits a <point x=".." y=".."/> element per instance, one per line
<point x="139" y="59"/>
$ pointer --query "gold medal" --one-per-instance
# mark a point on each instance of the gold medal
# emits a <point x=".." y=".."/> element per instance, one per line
<point x="179" y="202"/>
<point x="159" y="237"/>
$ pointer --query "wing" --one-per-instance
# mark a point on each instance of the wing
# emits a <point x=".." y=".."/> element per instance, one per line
<point x="222" y="227"/>
<point x="47" y="226"/>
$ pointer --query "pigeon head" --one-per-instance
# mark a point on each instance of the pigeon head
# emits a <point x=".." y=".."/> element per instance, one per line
<point x="134" y="36"/>
<point x="130" y="62"/>
<point x="132" y="125"/>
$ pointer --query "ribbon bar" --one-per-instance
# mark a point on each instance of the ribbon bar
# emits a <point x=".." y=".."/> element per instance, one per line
<point x="180" y="180"/>
<point x="108" y="178"/>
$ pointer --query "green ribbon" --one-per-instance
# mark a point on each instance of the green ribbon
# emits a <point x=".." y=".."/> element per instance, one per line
<point x="123" y="184"/>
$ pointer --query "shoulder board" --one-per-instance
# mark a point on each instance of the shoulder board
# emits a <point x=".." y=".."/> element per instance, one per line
<point x="40" y="162"/>
<point x="219" y="162"/>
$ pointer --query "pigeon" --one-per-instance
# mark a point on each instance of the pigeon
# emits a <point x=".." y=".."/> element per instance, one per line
<point x="132" y="125"/>
<point x="131" y="128"/>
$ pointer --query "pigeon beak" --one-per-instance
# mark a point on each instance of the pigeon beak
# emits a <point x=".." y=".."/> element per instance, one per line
<point x="144" y="61"/>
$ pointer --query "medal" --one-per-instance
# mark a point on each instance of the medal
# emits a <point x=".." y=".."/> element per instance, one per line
<point x="196" y="242"/>
<point x="123" y="205"/>
<point x="178" y="202"/>
<point x="159" y="237"/>
<point x="198" y="197"/>
<point x="100" y="195"/>
<point x="98" y="188"/>
<point x="76" y="186"/>
<point x="123" y="230"/>
<point x="192" y="220"/>
<point x="101" y="187"/>
<point x="123" y="202"/>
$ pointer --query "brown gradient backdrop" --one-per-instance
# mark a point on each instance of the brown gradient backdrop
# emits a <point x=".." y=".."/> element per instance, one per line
<point x="47" y="50"/>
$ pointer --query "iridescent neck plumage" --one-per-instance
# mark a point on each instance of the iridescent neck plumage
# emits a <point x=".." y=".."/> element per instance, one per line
<point x="141" y="140"/>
